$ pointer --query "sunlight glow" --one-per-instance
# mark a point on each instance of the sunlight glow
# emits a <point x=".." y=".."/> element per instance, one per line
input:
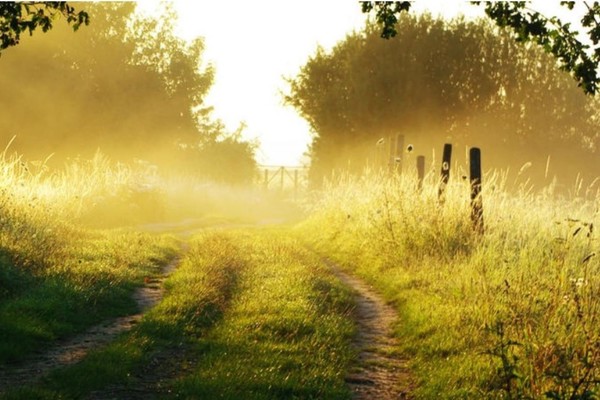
<point x="253" y="47"/>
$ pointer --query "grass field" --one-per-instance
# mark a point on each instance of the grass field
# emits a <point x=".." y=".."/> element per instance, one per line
<point x="511" y="314"/>
<point x="247" y="315"/>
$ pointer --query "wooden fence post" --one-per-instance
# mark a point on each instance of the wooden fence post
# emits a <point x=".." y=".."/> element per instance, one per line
<point x="476" y="200"/>
<point x="296" y="179"/>
<point x="296" y="183"/>
<point x="420" y="171"/>
<point x="380" y="153"/>
<point x="266" y="179"/>
<point x="446" y="159"/>
<point x="399" y="153"/>
<point x="392" y="152"/>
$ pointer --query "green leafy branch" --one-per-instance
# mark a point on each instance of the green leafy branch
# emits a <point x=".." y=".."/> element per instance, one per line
<point x="19" y="17"/>
<point x="387" y="14"/>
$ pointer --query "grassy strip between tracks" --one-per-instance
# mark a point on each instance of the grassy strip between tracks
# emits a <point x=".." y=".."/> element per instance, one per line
<point x="286" y="335"/>
<point x="259" y="316"/>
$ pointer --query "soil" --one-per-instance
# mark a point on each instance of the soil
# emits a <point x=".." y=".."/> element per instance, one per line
<point x="154" y="380"/>
<point x="72" y="350"/>
<point x="379" y="372"/>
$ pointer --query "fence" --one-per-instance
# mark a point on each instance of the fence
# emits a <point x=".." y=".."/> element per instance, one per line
<point x="284" y="178"/>
<point x="396" y="159"/>
<point x="295" y="179"/>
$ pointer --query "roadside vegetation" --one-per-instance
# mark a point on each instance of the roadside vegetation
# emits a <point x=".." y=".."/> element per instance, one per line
<point x="84" y="81"/>
<point x="446" y="81"/>
<point x="511" y="314"/>
<point x="57" y="278"/>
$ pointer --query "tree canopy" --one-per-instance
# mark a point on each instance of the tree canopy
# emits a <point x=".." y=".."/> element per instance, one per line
<point x="441" y="81"/>
<point x="580" y="57"/>
<point x="126" y="85"/>
<point x="19" y="17"/>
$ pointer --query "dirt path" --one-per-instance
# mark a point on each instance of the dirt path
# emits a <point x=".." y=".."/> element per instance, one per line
<point x="153" y="380"/>
<point x="379" y="372"/>
<point x="72" y="350"/>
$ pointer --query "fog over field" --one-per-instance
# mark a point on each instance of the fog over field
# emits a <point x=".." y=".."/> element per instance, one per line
<point x="438" y="238"/>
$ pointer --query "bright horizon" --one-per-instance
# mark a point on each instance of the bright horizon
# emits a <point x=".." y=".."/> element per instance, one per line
<point x="253" y="52"/>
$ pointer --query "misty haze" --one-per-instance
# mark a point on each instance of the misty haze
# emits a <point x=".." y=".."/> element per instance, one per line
<point x="436" y="240"/>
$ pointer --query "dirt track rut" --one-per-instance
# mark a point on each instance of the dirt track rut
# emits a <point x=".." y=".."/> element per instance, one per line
<point x="379" y="373"/>
<point x="73" y="350"/>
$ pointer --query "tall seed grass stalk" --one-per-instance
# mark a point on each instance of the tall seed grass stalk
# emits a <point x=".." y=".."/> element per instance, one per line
<point x="74" y="191"/>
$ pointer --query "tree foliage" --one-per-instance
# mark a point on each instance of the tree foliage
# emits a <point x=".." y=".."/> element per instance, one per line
<point x="221" y="156"/>
<point x="19" y="17"/>
<point x="579" y="57"/>
<point x="441" y="81"/>
<point x="126" y="85"/>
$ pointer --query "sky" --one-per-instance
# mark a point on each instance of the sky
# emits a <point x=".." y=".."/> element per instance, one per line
<point x="254" y="45"/>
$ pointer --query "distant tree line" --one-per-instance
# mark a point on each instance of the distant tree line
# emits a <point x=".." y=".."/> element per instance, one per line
<point x="127" y="86"/>
<point x="21" y="17"/>
<point x="468" y="83"/>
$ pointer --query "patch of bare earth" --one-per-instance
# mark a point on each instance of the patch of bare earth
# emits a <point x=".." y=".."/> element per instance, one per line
<point x="379" y="372"/>
<point x="154" y="380"/>
<point x="73" y="350"/>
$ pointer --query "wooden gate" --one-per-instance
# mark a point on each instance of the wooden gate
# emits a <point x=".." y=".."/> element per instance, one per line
<point x="284" y="178"/>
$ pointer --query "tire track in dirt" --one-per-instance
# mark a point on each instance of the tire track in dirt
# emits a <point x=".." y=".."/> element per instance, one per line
<point x="379" y="372"/>
<point x="155" y="379"/>
<point x="74" y="349"/>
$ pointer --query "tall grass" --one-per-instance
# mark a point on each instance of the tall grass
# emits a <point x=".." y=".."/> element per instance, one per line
<point x="99" y="193"/>
<point x="512" y="314"/>
<point x="95" y="191"/>
<point x="57" y="278"/>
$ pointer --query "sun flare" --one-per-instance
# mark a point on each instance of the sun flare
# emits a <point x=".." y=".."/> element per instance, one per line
<point x="253" y="47"/>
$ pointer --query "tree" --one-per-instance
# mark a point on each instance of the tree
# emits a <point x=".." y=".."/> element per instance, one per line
<point x="577" y="57"/>
<point x="97" y="90"/>
<point x="444" y="80"/>
<point x="19" y="17"/>
<point x="126" y="85"/>
<point x="220" y="156"/>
